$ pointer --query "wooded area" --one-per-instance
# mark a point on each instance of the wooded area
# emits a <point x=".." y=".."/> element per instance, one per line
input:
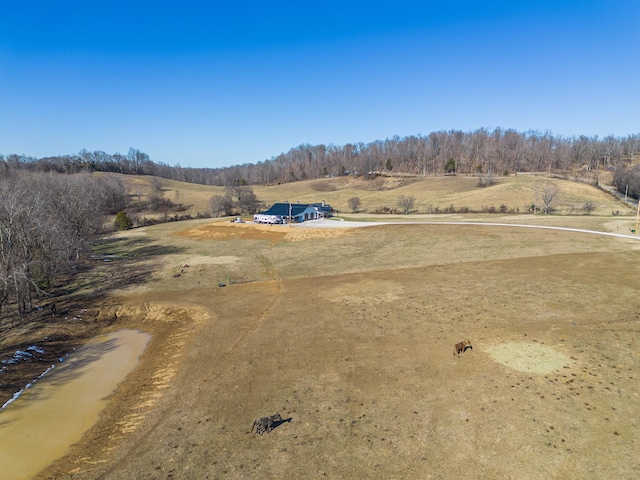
<point x="47" y="221"/>
<point x="489" y="152"/>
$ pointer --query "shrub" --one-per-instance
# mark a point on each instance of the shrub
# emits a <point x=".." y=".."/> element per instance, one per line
<point x="589" y="207"/>
<point x="123" y="222"/>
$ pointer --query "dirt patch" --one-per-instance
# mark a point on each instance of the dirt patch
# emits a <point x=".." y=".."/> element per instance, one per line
<point x="529" y="357"/>
<point x="254" y="231"/>
<point x="239" y="231"/>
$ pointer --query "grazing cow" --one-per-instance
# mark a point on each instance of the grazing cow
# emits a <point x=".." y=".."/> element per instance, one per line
<point x="265" y="424"/>
<point x="459" y="348"/>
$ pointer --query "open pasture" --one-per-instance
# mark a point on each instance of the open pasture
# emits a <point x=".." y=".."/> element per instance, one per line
<point x="432" y="194"/>
<point x="350" y="333"/>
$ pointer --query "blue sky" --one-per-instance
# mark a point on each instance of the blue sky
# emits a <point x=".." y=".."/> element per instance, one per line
<point x="211" y="84"/>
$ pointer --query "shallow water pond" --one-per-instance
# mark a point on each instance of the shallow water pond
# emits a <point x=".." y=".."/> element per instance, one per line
<point x="40" y="425"/>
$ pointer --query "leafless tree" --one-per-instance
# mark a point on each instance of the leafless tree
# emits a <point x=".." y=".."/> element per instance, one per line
<point x="486" y="179"/>
<point x="354" y="204"/>
<point x="114" y="192"/>
<point x="406" y="203"/>
<point x="139" y="160"/>
<point x="589" y="207"/>
<point x="245" y="199"/>
<point x="156" y="194"/>
<point x="46" y="222"/>
<point x="220" y="205"/>
<point x="249" y="203"/>
<point x="548" y="192"/>
<point x="238" y="191"/>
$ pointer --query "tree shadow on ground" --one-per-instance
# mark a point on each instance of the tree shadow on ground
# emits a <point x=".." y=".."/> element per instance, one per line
<point x="116" y="263"/>
<point x="132" y="247"/>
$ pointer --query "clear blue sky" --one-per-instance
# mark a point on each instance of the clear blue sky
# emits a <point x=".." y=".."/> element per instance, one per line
<point x="210" y="84"/>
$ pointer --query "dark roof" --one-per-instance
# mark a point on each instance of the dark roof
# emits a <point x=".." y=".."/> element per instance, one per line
<point x="321" y="207"/>
<point x="282" y="209"/>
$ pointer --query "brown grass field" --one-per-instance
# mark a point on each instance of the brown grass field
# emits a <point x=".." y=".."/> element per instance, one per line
<point x="516" y="193"/>
<point x="348" y="333"/>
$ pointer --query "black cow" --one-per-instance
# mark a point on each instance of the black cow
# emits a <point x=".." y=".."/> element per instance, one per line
<point x="265" y="424"/>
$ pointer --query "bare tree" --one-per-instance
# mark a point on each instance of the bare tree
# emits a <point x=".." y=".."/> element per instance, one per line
<point x="238" y="191"/>
<point x="548" y="192"/>
<point x="138" y="160"/>
<point x="220" y="205"/>
<point x="486" y="179"/>
<point x="589" y="207"/>
<point x="354" y="204"/>
<point x="245" y="199"/>
<point x="46" y="223"/>
<point x="138" y="191"/>
<point x="114" y="192"/>
<point x="406" y="203"/>
<point x="155" y="195"/>
<point x="249" y="203"/>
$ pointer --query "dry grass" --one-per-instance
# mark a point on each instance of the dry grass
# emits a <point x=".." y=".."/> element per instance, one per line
<point x="190" y="195"/>
<point x="516" y="193"/>
<point x="239" y="252"/>
<point x="349" y="332"/>
<point x="350" y="336"/>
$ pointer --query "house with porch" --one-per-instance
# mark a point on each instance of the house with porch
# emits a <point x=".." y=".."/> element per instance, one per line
<point x="298" y="212"/>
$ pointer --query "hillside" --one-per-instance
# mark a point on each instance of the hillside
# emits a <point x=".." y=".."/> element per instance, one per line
<point x="433" y="194"/>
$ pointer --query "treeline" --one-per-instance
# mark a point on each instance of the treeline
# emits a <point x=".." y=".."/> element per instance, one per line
<point x="47" y="221"/>
<point x="494" y="152"/>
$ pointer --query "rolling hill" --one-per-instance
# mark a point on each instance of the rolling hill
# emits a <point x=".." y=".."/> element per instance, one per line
<point x="432" y="194"/>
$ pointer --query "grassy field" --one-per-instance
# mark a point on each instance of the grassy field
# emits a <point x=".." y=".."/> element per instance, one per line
<point x="349" y="333"/>
<point x="515" y="193"/>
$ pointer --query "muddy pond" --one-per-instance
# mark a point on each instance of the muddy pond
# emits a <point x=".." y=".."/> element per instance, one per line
<point x="40" y="425"/>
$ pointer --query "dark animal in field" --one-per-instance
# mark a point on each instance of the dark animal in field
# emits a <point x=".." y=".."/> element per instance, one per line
<point x="266" y="424"/>
<point x="459" y="348"/>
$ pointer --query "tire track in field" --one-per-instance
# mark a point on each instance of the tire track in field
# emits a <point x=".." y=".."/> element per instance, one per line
<point x="276" y="286"/>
